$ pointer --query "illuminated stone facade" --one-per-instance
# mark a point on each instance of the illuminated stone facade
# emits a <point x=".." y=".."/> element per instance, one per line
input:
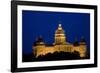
<point x="60" y="44"/>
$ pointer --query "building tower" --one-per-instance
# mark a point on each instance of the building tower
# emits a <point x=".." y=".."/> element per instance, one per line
<point x="38" y="46"/>
<point x="83" y="47"/>
<point x="60" y="36"/>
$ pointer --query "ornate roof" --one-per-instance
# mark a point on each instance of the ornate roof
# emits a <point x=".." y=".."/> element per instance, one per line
<point x="83" y="41"/>
<point x="39" y="41"/>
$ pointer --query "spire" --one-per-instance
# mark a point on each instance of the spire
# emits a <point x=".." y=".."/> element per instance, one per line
<point x="76" y="43"/>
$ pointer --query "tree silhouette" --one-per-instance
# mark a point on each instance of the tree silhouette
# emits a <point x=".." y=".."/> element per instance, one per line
<point x="51" y="57"/>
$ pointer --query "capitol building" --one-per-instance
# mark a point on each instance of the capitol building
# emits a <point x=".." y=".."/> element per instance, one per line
<point x="60" y="45"/>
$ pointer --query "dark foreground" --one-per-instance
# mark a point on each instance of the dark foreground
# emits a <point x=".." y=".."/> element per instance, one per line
<point x="53" y="57"/>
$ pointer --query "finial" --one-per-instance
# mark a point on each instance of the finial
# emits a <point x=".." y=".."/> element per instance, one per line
<point x="59" y="25"/>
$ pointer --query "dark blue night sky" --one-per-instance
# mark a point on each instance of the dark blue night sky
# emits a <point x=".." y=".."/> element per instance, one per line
<point x="40" y="23"/>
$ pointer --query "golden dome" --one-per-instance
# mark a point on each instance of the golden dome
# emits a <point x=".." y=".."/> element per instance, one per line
<point x="60" y="37"/>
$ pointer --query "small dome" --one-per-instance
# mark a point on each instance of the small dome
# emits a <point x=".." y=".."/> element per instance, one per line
<point x="39" y="41"/>
<point x="83" y="41"/>
<point x="59" y="30"/>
